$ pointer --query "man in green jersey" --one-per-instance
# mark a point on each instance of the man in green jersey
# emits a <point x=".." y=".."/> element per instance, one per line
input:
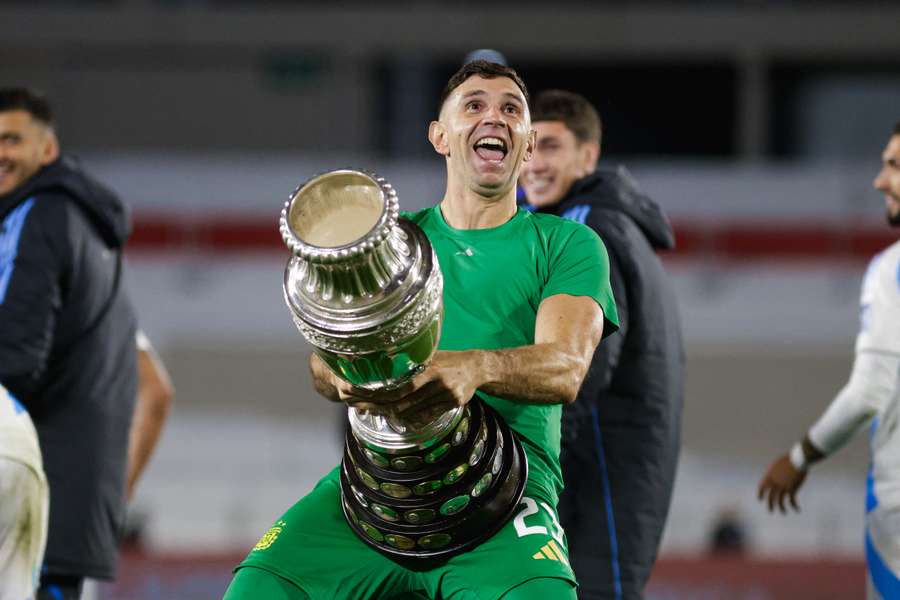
<point x="526" y="301"/>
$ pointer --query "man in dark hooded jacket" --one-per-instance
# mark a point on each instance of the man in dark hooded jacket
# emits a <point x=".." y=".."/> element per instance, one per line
<point x="621" y="437"/>
<point x="67" y="337"/>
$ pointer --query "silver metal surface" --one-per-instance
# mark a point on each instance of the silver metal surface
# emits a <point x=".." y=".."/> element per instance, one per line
<point x="365" y="289"/>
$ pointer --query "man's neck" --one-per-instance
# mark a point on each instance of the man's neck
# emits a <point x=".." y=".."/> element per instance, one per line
<point x="466" y="209"/>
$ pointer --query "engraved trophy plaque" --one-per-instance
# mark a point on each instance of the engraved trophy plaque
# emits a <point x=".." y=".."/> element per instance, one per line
<point x="365" y="289"/>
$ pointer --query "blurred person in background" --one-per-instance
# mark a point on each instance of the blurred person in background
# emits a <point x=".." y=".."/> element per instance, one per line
<point x="67" y="338"/>
<point x="871" y="398"/>
<point x="728" y="534"/>
<point x="23" y="502"/>
<point x="508" y="276"/>
<point x="621" y="437"/>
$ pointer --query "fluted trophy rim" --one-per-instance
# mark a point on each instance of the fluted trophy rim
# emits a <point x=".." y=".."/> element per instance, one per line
<point x="392" y="304"/>
<point x="367" y="243"/>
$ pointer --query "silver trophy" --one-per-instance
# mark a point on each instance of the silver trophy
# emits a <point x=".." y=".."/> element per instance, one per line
<point x="365" y="289"/>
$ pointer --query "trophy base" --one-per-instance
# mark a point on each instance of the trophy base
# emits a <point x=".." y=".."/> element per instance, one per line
<point x="423" y="508"/>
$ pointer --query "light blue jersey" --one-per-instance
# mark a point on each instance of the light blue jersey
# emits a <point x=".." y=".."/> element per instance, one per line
<point x="880" y="335"/>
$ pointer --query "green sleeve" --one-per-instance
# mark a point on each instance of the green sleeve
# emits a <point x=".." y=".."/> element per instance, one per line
<point x="250" y="583"/>
<point x="579" y="266"/>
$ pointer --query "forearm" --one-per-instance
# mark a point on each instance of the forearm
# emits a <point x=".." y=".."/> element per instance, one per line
<point x="152" y="406"/>
<point x="551" y="370"/>
<point x="538" y="374"/>
<point x="870" y="387"/>
<point x="150" y="415"/>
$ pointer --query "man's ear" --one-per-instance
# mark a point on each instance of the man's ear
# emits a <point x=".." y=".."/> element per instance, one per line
<point x="437" y="135"/>
<point x="529" y="146"/>
<point x="590" y="154"/>
<point x="50" y="151"/>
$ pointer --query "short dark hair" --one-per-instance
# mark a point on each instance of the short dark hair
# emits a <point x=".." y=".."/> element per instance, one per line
<point x="897" y="128"/>
<point x="482" y="68"/>
<point x="574" y="110"/>
<point x="31" y="101"/>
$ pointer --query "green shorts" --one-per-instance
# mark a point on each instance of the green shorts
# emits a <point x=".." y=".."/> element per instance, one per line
<point x="313" y="548"/>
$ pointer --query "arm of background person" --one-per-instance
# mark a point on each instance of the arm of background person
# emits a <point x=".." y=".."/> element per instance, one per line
<point x="871" y="386"/>
<point x="154" y="402"/>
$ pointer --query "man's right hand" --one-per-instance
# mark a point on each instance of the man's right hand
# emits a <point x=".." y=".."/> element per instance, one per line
<point x="781" y="481"/>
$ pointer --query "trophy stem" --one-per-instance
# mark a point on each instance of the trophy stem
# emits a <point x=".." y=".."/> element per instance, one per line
<point x="391" y="436"/>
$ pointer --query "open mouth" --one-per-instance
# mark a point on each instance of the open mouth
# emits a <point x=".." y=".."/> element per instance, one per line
<point x="490" y="148"/>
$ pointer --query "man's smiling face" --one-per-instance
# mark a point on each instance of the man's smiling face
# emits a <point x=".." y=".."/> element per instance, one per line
<point x="26" y="145"/>
<point x="485" y="132"/>
<point x="888" y="179"/>
<point x="559" y="161"/>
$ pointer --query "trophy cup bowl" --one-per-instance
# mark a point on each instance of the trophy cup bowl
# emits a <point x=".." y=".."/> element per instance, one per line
<point x="364" y="287"/>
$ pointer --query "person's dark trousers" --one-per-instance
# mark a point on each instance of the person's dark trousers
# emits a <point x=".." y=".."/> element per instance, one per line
<point x="60" y="587"/>
<point x="612" y="515"/>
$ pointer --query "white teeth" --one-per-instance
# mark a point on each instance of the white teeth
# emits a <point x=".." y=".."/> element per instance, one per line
<point x="491" y="141"/>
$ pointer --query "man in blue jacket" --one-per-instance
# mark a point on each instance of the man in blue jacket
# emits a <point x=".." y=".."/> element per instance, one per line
<point x="67" y="337"/>
<point x="621" y="437"/>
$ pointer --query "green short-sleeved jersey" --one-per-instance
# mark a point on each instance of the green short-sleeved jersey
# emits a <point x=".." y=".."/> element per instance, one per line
<point x="494" y="282"/>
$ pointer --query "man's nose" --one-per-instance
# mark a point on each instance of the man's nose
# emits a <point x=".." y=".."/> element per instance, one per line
<point x="880" y="182"/>
<point x="494" y="115"/>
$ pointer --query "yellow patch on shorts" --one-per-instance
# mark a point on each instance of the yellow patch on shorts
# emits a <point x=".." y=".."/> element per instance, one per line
<point x="270" y="536"/>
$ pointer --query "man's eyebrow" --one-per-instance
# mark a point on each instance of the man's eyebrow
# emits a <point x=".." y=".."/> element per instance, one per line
<point x="509" y="95"/>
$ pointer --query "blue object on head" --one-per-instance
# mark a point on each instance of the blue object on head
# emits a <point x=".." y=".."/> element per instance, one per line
<point x="487" y="54"/>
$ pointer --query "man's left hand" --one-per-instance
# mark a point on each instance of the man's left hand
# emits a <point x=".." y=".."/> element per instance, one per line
<point x="781" y="482"/>
<point x="449" y="380"/>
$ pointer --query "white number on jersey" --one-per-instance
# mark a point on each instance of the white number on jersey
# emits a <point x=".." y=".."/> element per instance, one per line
<point x="531" y="507"/>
